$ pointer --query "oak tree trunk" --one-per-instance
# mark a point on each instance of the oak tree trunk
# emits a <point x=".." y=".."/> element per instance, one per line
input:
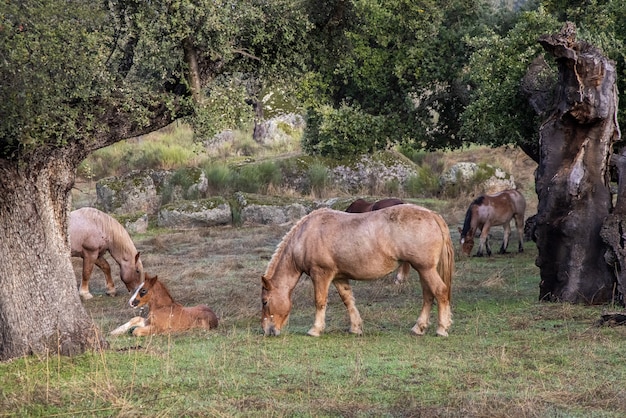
<point x="40" y="310"/>
<point x="572" y="180"/>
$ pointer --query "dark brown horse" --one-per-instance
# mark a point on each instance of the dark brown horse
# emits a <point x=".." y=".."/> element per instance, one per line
<point x="361" y="206"/>
<point x="165" y="314"/>
<point x="493" y="210"/>
<point x="317" y="246"/>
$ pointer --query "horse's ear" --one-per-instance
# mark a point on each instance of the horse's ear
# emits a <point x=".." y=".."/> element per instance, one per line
<point x="151" y="279"/>
<point x="267" y="285"/>
<point x="137" y="257"/>
<point x="460" y="230"/>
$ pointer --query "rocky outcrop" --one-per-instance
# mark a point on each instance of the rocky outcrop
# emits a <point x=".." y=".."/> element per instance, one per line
<point x="488" y="178"/>
<point x="137" y="191"/>
<point x="196" y="213"/>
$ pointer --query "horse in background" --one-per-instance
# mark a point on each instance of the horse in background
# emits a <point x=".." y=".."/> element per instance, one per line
<point x="335" y="247"/>
<point x="361" y="206"/>
<point x="493" y="210"/>
<point x="165" y="315"/>
<point x="92" y="233"/>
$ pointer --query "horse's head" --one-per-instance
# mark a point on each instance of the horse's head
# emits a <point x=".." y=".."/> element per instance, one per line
<point x="467" y="241"/>
<point x="143" y="293"/>
<point x="132" y="273"/>
<point x="276" y="308"/>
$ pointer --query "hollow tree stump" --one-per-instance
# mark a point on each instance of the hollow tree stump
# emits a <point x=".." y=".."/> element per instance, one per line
<point x="572" y="179"/>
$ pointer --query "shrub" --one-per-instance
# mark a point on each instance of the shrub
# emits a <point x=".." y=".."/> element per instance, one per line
<point x="269" y="174"/>
<point x="344" y="131"/>
<point x="247" y="180"/>
<point x="219" y="178"/>
<point x="320" y="179"/>
<point x="181" y="182"/>
<point x="424" y="184"/>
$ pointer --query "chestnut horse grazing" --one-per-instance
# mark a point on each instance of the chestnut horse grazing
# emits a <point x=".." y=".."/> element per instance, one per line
<point x="361" y="206"/>
<point x="493" y="210"/>
<point x="333" y="247"/>
<point x="165" y="314"/>
<point x="93" y="233"/>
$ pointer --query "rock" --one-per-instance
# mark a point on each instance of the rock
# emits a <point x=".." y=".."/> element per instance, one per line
<point x="373" y="172"/>
<point x="138" y="224"/>
<point x="260" y="214"/>
<point x="280" y="128"/>
<point x="460" y="172"/>
<point x="198" y="213"/>
<point x="137" y="191"/>
<point x="468" y="173"/>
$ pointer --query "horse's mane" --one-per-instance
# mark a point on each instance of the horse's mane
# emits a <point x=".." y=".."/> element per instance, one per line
<point x="479" y="200"/>
<point x="280" y="249"/>
<point x="164" y="289"/>
<point x="468" y="215"/>
<point x="117" y="233"/>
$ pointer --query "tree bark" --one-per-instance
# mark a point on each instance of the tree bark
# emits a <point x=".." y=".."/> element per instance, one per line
<point x="40" y="310"/>
<point x="572" y="180"/>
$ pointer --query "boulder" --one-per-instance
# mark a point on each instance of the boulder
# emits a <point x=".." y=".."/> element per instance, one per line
<point x="137" y="191"/>
<point x="137" y="224"/>
<point x="462" y="172"/>
<point x="198" y="213"/>
<point x="265" y="215"/>
<point x="488" y="178"/>
<point x="260" y="209"/>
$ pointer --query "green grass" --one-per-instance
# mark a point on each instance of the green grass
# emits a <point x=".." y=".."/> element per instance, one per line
<point x="507" y="354"/>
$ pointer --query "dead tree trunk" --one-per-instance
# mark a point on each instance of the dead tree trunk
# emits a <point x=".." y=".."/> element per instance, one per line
<point x="613" y="230"/>
<point x="572" y="180"/>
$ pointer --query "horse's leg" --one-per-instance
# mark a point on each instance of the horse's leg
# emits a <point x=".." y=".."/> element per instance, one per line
<point x="106" y="269"/>
<point x="137" y="321"/>
<point x="484" y="241"/>
<point x="434" y="287"/>
<point x="321" y="283"/>
<point x="88" y="262"/>
<point x="143" y="331"/>
<point x="424" y="319"/>
<point x="345" y="292"/>
<point x="519" y="226"/>
<point x="505" y="239"/>
<point x="403" y="272"/>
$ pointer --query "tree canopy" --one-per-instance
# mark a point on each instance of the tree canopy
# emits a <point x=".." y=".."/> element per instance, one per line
<point x="399" y="64"/>
<point x="69" y="72"/>
<point x="445" y="74"/>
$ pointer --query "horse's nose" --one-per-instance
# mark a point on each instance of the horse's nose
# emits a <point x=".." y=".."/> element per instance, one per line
<point x="134" y="303"/>
<point x="273" y="332"/>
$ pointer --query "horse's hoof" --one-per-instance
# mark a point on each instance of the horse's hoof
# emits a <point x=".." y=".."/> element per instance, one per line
<point x="313" y="333"/>
<point x="358" y="332"/>
<point x="112" y="293"/>
<point x="86" y="296"/>
<point x="418" y="331"/>
<point x="442" y="333"/>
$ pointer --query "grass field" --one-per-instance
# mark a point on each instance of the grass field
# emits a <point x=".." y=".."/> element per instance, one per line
<point x="507" y="354"/>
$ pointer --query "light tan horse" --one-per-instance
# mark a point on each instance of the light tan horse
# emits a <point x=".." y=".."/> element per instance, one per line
<point x="493" y="210"/>
<point x="334" y="247"/>
<point x="361" y="206"/>
<point x="92" y="233"/>
<point x="165" y="315"/>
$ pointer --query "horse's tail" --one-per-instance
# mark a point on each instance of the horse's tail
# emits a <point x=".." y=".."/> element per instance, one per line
<point x="445" y="268"/>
